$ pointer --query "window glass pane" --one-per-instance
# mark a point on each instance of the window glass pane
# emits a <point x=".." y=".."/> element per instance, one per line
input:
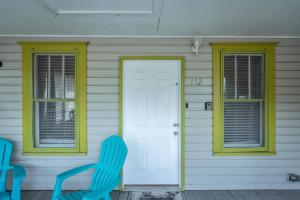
<point x="243" y="124"/>
<point x="242" y="77"/>
<point x="69" y="76"/>
<point x="229" y="76"/>
<point x="56" y="123"/>
<point x="41" y="82"/>
<point x="56" y="77"/>
<point x="256" y="77"/>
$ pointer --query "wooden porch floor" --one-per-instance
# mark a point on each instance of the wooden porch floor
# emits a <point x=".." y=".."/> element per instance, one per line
<point x="195" y="195"/>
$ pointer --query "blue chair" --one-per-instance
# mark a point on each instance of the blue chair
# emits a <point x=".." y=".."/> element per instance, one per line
<point x="18" y="172"/>
<point x="105" y="178"/>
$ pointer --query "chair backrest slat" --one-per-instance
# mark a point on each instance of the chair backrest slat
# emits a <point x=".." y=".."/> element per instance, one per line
<point x="112" y="157"/>
<point x="5" y="154"/>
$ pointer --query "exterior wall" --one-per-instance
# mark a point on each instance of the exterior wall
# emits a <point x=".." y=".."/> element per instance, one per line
<point x="203" y="170"/>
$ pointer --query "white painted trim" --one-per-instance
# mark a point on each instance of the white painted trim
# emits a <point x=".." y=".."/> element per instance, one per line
<point x="116" y="12"/>
<point x="155" y="36"/>
<point x="181" y="99"/>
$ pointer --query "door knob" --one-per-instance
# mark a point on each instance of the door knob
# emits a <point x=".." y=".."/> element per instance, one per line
<point x="175" y="133"/>
<point x="176" y="125"/>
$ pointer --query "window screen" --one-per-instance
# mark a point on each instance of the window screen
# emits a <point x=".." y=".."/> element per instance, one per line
<point x="243" y="100"/>
<point x="54" y="100"/>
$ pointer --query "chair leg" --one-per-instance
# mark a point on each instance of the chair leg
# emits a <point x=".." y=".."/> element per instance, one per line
<point x="16" y="190"/>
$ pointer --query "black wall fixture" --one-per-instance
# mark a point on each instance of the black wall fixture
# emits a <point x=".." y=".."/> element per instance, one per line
<point x="1" y="63"/>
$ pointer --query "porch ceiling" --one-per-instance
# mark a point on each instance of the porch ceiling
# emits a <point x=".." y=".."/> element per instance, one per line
<point x="150" y="17"/>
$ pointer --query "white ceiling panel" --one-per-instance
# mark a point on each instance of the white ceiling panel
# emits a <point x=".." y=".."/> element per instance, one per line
<point x="150" y="17"/>
<point x="100" y="5"/>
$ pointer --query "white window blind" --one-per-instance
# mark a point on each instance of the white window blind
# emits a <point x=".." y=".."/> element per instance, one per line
<point x="55" y="110"/>
<point x="243" y="100"/>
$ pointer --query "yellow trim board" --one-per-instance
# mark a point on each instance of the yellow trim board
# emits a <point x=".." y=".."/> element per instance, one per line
<point x="218" y="51"/>
<point x="182" y="138"/>
<point x="28" y="50"/>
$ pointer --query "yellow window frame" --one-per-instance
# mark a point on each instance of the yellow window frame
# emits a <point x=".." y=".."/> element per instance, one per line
<point x="218" y="51"/>
<point x="79" y="50"/>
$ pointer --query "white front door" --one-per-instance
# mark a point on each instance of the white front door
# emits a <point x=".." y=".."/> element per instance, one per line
<point x="151" y="117"/>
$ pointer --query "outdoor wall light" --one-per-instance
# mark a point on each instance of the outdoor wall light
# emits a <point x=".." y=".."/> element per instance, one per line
<point x="196" y="44"/>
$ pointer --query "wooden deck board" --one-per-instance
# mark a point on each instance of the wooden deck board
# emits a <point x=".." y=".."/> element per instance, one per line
<point x="28" y="195"/>
<point x="226" y="195"/>
<point x="195" y="195"/>
<point x="288" y="195"/>
<point x="209" y="195"/>
<point x="188" y="196"/>
<point x="114" y="195"/>
<point x="123" y="196"/>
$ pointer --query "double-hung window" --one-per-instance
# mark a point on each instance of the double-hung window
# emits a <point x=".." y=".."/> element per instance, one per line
<point x="54" y="97"/>
<point x="243" y="99"/>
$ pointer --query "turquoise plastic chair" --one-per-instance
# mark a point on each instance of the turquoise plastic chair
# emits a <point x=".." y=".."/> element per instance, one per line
<point x="18" y="173"/>
<point x="105" y="178"/>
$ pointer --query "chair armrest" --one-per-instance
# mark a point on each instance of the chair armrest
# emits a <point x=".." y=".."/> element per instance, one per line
<point x="74" y="171"/>
<point x="18" y="172"/>
<point x="97" y="194"/>
<point x="63" y="176"/>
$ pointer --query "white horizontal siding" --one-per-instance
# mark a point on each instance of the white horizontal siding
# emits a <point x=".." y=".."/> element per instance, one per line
<point x="203" y="170"/>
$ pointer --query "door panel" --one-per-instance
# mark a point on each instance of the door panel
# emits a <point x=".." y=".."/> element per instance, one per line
<point x="151" y="105"/>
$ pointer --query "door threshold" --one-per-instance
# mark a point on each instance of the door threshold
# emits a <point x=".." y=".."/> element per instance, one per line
<point x="152" y="188"/>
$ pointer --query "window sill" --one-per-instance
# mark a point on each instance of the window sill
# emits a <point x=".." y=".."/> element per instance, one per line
<point x="245" y="154"/>
<point x="54" y="154"/>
